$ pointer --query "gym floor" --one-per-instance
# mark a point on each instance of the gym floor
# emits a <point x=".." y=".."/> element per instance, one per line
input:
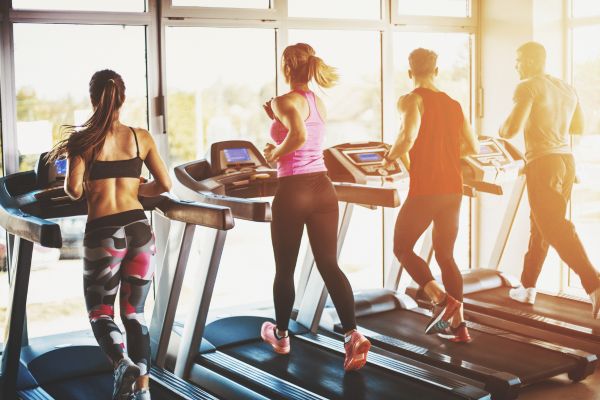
<point x="562" y="388"/>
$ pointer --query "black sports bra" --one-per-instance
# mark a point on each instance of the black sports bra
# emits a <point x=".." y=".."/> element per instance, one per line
<point x="131" y="168"/>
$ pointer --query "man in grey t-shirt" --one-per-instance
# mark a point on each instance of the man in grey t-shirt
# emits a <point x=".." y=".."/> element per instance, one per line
<point x="547" y="110"/>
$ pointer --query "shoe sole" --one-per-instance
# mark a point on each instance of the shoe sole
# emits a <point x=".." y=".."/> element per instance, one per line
<point x="129" y="376"/>
<point x="277" y="349"/>
<point x="524" y="301"/>
<point x="360" y="357"/>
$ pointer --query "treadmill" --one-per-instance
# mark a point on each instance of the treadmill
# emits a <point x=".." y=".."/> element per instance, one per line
<point x="557" y="318"/>
<point x="232" y="347"/>
<point x="503" y="361"/>
<point x="70" y="366"/>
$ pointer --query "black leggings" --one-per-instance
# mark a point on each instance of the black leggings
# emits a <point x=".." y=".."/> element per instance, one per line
<point x="117" y="252"/>
<point x="414" y="218"/>
<point x="308" y="199"/>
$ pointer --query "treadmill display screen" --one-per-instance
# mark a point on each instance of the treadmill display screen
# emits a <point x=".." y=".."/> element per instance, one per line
<point x="363" y="158"/>
<point x="487" y="149"/>
<point x="60" y="168"/>
<point x="237" y="155"/>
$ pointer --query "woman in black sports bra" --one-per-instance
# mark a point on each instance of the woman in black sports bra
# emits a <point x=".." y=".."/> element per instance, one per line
<point x="105" y="161"/>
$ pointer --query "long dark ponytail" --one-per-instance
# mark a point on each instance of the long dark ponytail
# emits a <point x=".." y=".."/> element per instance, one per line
<point x="107" y="93"/>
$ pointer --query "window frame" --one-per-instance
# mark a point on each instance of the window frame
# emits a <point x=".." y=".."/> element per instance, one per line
<point x="161" y="14"/>
<point x="571" y="23"/>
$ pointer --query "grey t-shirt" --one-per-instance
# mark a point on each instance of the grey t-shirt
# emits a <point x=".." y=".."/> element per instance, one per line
<point x="547" y="128"/>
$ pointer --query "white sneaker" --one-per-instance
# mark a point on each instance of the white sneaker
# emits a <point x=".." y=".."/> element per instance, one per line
<point x="595" y="296"/>
<point x="523" y="295"/>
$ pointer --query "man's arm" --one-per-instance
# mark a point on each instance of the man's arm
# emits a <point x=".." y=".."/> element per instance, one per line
<point x="577" y="122"/>
<point x="408" y="107"/>
<point x="519" y="114"/>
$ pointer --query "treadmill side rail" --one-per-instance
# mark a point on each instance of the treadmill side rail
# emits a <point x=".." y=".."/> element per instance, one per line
<point x="391" y="363"/>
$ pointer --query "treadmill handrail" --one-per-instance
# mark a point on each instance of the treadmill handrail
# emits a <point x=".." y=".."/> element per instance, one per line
<point x="211" y="215"/>
<point x="248" y="209"/>
<point x="26" y="226"/>
<point x="363" y="194"/>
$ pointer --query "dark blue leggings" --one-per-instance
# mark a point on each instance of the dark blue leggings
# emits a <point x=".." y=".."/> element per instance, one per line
<point x="308" y="199"/>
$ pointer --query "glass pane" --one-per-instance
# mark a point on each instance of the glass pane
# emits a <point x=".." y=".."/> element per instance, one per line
<point x="351" y="9"/>
<point x="78" y="5"/>
<point x="586" y="8"/>
<point x="435" y="8"/>
<point x="454" y="63"/>
<point x="4" y="289"/>
<point x="58" y="93"/>
<point x="354" y="104"/>
<point x="353" y="114"/>
<point x="585" y="200"/>
<point x="211" y="98"/>
<point x="222" y="3"/>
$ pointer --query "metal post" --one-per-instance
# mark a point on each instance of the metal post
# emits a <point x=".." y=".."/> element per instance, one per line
<point x="196" y="320"/>
<point x="20" y="271"/>
<point x="169" y="289"/>
<point x="507" y="222"/>
<point x="313" y="301"/>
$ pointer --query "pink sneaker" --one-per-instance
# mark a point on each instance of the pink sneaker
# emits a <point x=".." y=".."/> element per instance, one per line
<point x="460" y="334"/>
<point x="356" y="351"/>
<point x="267" y="333"/>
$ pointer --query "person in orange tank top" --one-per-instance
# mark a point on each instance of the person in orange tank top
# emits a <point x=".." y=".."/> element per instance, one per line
<point x="434" y="135"/>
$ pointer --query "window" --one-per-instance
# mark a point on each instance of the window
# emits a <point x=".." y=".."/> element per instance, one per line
<point x="217" y="95"/>
<point x="454" y="63"/>
<point x="354" y="104"/>
<point x="350" y="9"/>
<point x="585" y="199"/>
<point x="223" y="3"/>
<point x="78" y="5"/>
<point x="586" y="8"/>
<point x="53" y="66"/>
<point x="213" y="96"/>
<point x="435" y="8"/>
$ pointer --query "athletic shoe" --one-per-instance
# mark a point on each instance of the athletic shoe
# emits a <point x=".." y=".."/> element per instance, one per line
<point x="125" y="375"/>
<point x="143" y="394"/>
<point x="267" y="333"/>
<point x="595" y="296"/>
<point x="357" y="347"/>
<point x="523" y="295"/>
<point x="442" y="313"/>
<point x="460" y="334"/>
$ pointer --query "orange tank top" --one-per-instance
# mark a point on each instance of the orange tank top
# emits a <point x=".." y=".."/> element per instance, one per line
<point x="435" y="155"/>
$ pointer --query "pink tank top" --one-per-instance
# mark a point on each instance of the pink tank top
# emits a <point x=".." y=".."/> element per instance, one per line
<point x="309" y="157"/>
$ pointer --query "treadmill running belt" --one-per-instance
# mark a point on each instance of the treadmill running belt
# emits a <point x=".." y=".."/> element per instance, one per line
<point x="97" y="387"/>
<point x="322" y="372"/>
<point x="559" y="308"/>
<point x="528" y="362"/>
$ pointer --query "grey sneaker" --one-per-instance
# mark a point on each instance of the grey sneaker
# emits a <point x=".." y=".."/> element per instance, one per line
<point x="143" y="394"/>
<point x="595" y="296"/>
<point x="125" y="375"/>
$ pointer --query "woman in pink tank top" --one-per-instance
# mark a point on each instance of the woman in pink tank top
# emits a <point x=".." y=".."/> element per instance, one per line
<point x="305" y="197"/>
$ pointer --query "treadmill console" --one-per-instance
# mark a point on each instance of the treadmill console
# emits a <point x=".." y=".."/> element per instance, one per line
<point x="498" y="161"/>
<point x="361" y="163"/>
<point x="234" y="168"/>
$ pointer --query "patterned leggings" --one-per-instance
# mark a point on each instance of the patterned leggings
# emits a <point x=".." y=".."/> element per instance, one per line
<point x="117" y="251"/>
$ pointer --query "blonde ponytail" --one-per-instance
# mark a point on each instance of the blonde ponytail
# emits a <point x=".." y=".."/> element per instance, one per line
<point x="325" y="75"/>
<point x="301" y="65"/>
